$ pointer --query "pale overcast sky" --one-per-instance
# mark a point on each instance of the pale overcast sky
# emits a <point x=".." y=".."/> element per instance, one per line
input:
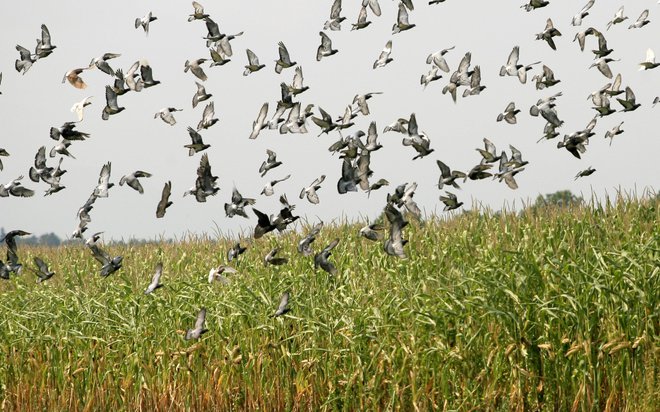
<point x="30" y="104"/>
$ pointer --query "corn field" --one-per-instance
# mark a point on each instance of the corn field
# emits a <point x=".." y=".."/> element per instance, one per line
<point x="546" y="309"/>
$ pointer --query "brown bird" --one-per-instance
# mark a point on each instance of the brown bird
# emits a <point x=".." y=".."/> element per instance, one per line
<point x="73" y="76"/>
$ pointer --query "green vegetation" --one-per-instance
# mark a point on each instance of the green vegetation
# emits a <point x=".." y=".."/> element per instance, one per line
<point x="550" y="309"/>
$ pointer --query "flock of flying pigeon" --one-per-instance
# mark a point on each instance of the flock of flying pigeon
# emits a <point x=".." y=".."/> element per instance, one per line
<point x="290" y="116"/>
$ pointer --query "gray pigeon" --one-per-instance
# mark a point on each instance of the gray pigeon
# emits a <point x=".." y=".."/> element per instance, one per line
<point x="42" y="272"/>
<point x="283" y="307"/>
<point x="155" y="280"/>
<point x="321" y="258"/>
<point x="132" y="180"/>
<point x="199" y="329"/>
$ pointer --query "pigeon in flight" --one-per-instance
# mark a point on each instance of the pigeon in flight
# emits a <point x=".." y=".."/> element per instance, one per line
<point x="164" y="202"/>
<point x="42" y="271"/>
<point x="253" y="63"/>
<point x="155" y="280"/>
<point x="73" y="77"/>
<point x="166" y="115"/>
<point x="200" y="95"/>
<point x="394" y="244"/>
<point x="509" y="114"/>
<point x="448" y="177"/>
<point x="25" y="60"/>
<point x="196" y="68"/>
<point x="284" y="62"/>
<point x="109" y="264"/>
<point x="237" y="205"/>
<point x="325" y="49"/>
<point x="104" y="185"/>
<point x="144" y="22"/>
<point x="269" y="163"/>
<point x="44" y="46"/>
<point x="310" y="190"/>
<point x="585" y="173"/>
<point x="283" y="307"/>
<point x="512" y="68"/>
<point x="15" y="188"/>
<point x="111" y="106"/>
<point x="198" y="13"/>
<point x="272" y="259"/>
<point x="384" y="57"/>
<point x="197" y="144"/>
<point x="259" y="124"/>
<point x="12" y="264"/>
<point x="321" y="258"/>
<point x="208" y="117"/>
<point x="641" y="21"/>
<point x="147" y="75"/>
<point x="402" y="23"/>
<point x="372" y="232"/>
<point x="199" y="329"/>
<point x="451" y="201"/>
<point x="101" y="63"/>
<point x="205" y="184"/>
<point x="78" y="108"/>
<point x="235" y="251"/>
<point x="215" y="274"/>
<point x="132" y="180"/>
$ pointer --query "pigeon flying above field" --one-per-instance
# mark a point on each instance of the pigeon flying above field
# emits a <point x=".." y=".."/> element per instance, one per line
<point x="585" y="173"/>
<point x="268" y="188"/>
<point x="269" y="163"/>
<point x="284" y="62"/>
<point x="509" y="114"/>
<point x="253" y="63"/>
<point x="109" y="264"/>
<point x="310" y="190"/>
<point x="44" y="46"/>
<point x="73" y="77"/>
<point x="205" y="184"/>
<point x="132" y="180"/>
<point x="372" y="232"/>
<point x="641" y="21"/>
<point x="283" y="307"/>
<point x="325" y="49"/>
<point x="199" y="329"/>
<point x="305" y="244"/>
<point x="451" y="201"/>
<point x="237" y="205"/>
<point x="321" y="258"/>
<point x="166" y="115"/>
<point x="394" y="244"/>
<point x="259" y="124"/>
<point x="215" y="274"/>
<point x="577" y="19"/>
<point x="271" y="259"/>
<point x="235" y="251"/>
<point x="196" y="68"/>
<point x="12" y="264"/>
<point x="384" y="57"/>
<point x="104" y="185"/>
<point x="197" y="144"/>
<point x="198" y="12"/>
<point x="78" y="108"/>
<point x="200" y="95"/>
<point x="144" y="22"/>
<point x="15" y="188"/>
<point x="155" y="280"/>
<point x="208" y="117"/>
<point x="111" y="106"/>
<point x="101" y="63"/>
<point x="334" y="23"/>
<point x="164" y="202"/>
<point x="42" y="271"/>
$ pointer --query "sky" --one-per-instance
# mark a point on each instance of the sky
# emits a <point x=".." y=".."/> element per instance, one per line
<point x="31" y="104"/>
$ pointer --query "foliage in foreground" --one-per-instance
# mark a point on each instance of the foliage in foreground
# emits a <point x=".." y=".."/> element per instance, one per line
<point x="554" y="309"/>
